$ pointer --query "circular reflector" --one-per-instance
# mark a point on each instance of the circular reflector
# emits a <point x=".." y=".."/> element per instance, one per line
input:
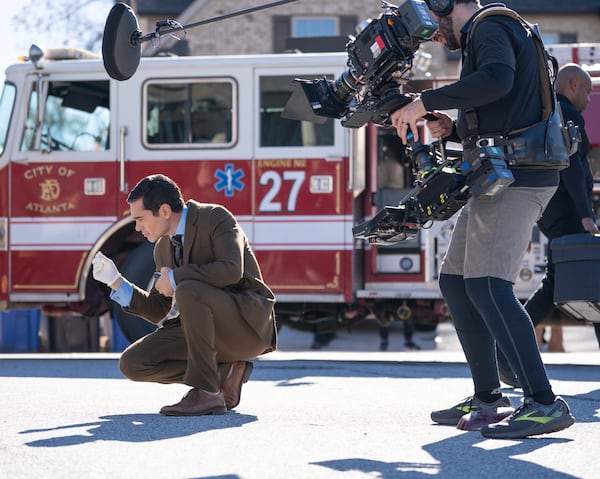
<point x="121" y="52"/>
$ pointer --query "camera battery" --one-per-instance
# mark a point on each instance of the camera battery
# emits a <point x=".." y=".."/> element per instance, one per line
<point x="577" y="275"/>
<point x="491" y="178"/>
<point x="485" y="170"/>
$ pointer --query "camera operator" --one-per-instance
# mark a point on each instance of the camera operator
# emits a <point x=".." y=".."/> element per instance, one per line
<point x="498" y="92"/>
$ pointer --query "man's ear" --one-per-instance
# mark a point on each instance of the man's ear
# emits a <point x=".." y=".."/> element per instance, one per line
<point x="165" y="211"/>
<point x="573" y="84"/>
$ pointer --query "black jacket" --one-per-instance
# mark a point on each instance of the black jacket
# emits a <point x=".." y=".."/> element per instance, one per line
<point x="498" y="85"/>
<point x="573" y="199"/>
<point x="499" y="79"/>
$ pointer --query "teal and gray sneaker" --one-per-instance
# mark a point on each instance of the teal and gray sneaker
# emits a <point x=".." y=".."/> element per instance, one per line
<point x="452" y="416"/>
<point x="530" y="419"/>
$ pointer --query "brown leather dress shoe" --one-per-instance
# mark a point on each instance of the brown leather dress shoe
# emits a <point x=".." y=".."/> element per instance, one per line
<point x="197" y="402"/>
<point x="232" y="387"/>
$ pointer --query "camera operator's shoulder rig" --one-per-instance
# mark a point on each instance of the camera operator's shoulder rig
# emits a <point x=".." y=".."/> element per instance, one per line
<point x="445" y="186"/>
<point x="548" y="143"/>
<point x="369" y="90"/>
<point x="482" y="169"/>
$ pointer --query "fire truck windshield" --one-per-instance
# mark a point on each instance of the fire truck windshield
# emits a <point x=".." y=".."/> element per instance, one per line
<point x="75" y="116"/>
<point x="6" y="107"/>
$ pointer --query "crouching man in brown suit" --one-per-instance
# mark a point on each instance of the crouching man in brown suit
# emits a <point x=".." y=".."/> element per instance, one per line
<point x="214" y="311"/>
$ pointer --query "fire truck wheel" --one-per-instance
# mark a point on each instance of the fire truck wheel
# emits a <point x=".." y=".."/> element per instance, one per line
<point x="137" y="268"/>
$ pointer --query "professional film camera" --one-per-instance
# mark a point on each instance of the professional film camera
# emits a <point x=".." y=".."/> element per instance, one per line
<point x="380" y="58"/>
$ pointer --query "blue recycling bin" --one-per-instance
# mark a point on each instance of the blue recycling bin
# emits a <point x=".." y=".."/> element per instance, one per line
<point x="19" y="331"/>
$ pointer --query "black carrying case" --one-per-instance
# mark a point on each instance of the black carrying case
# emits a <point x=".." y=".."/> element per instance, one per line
<point x="577" y="275"/>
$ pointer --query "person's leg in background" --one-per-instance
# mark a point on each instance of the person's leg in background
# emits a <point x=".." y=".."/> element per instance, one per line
<point x="555" y="342"/>
<point x="540" y="305"/>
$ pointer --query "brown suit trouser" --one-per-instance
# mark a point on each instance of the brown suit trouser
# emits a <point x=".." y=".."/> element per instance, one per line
<point x="198" y="348"/>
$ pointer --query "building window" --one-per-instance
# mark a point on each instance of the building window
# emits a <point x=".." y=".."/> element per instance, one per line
<point x="559" y="37"/>
<point x="550" y="38"/>
<point x="303" y="27"/>
<point x="568" y="37"/>
<point x="312" y="34"/>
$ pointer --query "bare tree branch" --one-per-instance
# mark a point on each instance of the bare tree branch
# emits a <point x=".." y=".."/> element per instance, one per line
<point x="73" y="23"/>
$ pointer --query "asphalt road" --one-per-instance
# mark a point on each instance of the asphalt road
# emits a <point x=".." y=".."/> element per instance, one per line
<point x="345" y="411"/>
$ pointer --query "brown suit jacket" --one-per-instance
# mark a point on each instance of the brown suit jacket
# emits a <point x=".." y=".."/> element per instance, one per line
<point x="215" y="251"/>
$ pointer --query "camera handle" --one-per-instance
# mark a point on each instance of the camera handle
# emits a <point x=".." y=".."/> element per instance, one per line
<point x="420" y="153"/>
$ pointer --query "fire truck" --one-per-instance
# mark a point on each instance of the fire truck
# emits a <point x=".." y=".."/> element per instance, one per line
<point x="73" y="142"/>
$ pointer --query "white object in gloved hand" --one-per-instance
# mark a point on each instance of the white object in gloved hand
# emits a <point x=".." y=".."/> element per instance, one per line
<point x="104" y="270"/>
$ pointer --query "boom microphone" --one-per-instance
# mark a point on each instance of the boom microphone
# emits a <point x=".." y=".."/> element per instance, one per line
<point x="121" y="43"/>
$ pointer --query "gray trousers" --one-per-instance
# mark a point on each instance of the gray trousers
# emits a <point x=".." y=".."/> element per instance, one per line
<point x="486" y="250"/>
<point x="491" y="234"/>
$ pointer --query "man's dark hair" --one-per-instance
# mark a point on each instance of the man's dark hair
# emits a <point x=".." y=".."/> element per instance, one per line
<point x="156" y="190"/>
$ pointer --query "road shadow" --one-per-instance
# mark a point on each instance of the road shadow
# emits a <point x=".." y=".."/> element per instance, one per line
<point x="459" y="456"/>
<point x="138" y="428"/>
<point x="455" y="456"/>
